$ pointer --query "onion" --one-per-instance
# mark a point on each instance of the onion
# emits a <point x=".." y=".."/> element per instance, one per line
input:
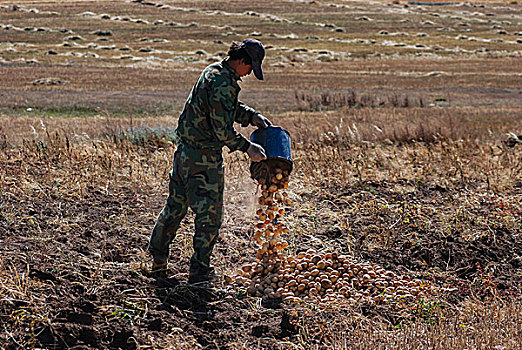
<point x="326" y="283"/>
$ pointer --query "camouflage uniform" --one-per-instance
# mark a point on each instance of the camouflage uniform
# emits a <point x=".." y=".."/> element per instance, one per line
<point x="197" y="177"/>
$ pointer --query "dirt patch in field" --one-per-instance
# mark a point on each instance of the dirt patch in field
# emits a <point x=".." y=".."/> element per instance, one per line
<point x="477" y="252"/>
<point x="98" y="294"/>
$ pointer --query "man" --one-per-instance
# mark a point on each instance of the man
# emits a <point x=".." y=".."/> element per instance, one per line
<point x="197" y="177"/>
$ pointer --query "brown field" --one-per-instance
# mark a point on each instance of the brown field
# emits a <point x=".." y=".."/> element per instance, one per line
<point x="403" y="120"/>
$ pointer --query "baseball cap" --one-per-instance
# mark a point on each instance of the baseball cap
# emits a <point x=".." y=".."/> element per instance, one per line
<point x="256" y="51"/>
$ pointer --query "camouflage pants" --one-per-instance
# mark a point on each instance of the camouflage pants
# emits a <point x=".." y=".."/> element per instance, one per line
<point x="196" y="181"/>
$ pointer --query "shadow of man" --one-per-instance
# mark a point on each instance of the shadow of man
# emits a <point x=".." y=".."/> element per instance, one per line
<point x="195" y="298"/>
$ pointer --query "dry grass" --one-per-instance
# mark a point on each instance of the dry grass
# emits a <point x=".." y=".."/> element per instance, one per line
<point x="468" y="166"/>
<point x="492" y="325"/>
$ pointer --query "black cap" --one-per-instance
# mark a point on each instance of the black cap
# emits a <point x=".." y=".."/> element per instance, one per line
<point x="256" y="51"/>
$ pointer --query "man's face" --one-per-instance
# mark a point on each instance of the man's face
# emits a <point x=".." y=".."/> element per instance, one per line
<point x="243" y="69"/>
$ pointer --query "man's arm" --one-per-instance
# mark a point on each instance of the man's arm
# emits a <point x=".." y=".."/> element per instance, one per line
<point x="244" y="114"/>
<point x="248" y="116"/>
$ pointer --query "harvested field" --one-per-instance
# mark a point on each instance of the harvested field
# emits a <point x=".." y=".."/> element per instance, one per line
<point x="405" y="201"/>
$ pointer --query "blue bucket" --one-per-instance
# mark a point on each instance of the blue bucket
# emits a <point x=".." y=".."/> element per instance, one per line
<point x="276" y="142"/>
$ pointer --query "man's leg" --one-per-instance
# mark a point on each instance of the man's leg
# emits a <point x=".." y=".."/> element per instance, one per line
<point x="205" y="192"/>
<point x="169" y="219"/>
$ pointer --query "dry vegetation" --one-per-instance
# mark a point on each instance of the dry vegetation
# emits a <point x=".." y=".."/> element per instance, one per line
<point x="400" y="117"/>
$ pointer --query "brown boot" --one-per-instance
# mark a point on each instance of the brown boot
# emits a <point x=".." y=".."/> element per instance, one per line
<point x="202" y="277"/>
<point x="159" y="268"/>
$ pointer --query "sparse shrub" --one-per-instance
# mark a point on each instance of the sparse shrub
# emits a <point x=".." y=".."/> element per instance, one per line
<point x="3" y="142"/>
<point x="329" y="100"/>
<point x="143" y="136"/>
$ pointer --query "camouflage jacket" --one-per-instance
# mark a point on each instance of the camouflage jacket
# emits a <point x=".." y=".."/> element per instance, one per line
<point x="211" y="110"/>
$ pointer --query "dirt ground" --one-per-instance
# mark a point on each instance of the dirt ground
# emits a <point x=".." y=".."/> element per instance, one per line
<point x="80" y="258"/>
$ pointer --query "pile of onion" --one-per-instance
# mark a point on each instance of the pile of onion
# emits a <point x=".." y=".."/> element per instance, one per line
<point x="312" y="276"/>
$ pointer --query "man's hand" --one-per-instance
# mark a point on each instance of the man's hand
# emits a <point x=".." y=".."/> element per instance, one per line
<point x="256" y="152"/>
<point x="261" y="121"/>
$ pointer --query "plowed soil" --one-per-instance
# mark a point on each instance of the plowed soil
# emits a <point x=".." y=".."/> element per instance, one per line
<point x="92" y="288"/>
